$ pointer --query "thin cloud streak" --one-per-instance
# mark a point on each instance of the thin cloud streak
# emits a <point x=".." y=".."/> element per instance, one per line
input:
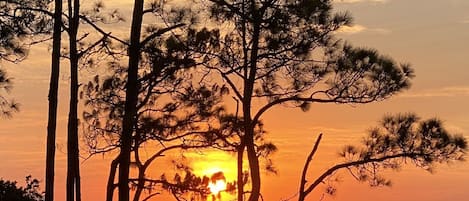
<point x="455" y="91"/>
<point x="357" y="28"/>
<point x="351" y="29"/>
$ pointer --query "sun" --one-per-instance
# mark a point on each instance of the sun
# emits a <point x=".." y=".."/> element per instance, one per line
<point x="217" y="183"/>
<point x="217" y="186"/>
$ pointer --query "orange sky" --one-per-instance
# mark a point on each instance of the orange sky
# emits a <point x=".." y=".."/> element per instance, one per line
<point x="432" y="35"/>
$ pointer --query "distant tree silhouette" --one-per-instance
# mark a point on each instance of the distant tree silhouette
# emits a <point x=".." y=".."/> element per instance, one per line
<point x="284" y="52"/>
<point x="187" y="186"/>
<point x="400" y="139"/>
<point x="10" y="192"/>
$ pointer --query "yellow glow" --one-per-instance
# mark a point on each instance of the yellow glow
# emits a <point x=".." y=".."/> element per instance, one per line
<point x="217" y="186"/>
<point x="213" y="162"/>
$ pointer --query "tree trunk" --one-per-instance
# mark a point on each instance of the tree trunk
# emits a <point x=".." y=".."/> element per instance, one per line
<point x="140" y="183"/>
<point x="254" y="168"/>
<point x="249" y="123"/>
<point x="110" y="182"/>
<point x="53" y="90"/>
<point x="130" y="109"/>
<point x="240" y="183"/>
<point x="73" y="169"/>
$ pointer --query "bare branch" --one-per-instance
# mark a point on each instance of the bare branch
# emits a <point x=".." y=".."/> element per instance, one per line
<point x="92" y="24"/>
<point x="159" y="33"/>
<point x="303" y="181"/>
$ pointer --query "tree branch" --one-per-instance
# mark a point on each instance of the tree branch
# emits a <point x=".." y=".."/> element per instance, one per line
<point x="302" y="194"/>
<point x="80" y="54"/>
<point x="46" y="12"/>
<point x="160" y="152"/>
<point x="288" y="99"/>
<point x="231" y="7"/>
<point x="159" y="33"/>
<point x="92" y="24"/>
<point x="355" y="163"/>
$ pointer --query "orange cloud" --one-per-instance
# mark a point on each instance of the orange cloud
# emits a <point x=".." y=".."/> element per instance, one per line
<point x="354" y="29"/>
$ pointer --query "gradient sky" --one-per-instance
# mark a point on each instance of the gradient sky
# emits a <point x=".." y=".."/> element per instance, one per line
<point x="432" y="35"/>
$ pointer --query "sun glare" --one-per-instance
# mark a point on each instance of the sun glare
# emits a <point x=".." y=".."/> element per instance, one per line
<point x="217" y="186"/>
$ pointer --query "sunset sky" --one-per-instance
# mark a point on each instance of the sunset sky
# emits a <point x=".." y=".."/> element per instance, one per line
<point x="432" y="35"/>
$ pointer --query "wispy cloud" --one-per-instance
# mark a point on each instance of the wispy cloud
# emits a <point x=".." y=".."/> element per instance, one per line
<point x="351" y="29"/>
<point x="466" y="21"/>
<point x="454" y="91"/>
<point x="360" y="1"/>
<point x="354" y="29"/>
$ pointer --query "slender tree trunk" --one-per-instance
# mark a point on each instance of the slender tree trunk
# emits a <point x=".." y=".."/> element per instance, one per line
<point x="110" y="182"/>
<point x="240" y="183"/>
<point x="249" y="124"/>
<point x="140" y="183"/>
<point x="73" y="170"/>
<point x="53" y="88"/>
<point x="130" y="109"/>
<point x="250" y="146"/>
<point x="141" y="171"/>
<point x="254" y="168"/>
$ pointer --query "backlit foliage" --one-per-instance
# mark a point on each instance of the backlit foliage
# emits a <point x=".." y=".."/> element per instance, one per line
<point x="404" y="139"/>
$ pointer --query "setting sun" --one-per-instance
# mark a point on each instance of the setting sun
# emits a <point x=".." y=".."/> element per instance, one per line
<point x="217" y="183"/>
<point x="217" y="186"/>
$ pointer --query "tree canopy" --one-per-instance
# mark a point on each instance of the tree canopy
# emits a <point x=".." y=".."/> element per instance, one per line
<point x="10" y="191"/>
<point x="399" y="139"/>
<point x="285" y="53"/>
<point x="17" y="28"/>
